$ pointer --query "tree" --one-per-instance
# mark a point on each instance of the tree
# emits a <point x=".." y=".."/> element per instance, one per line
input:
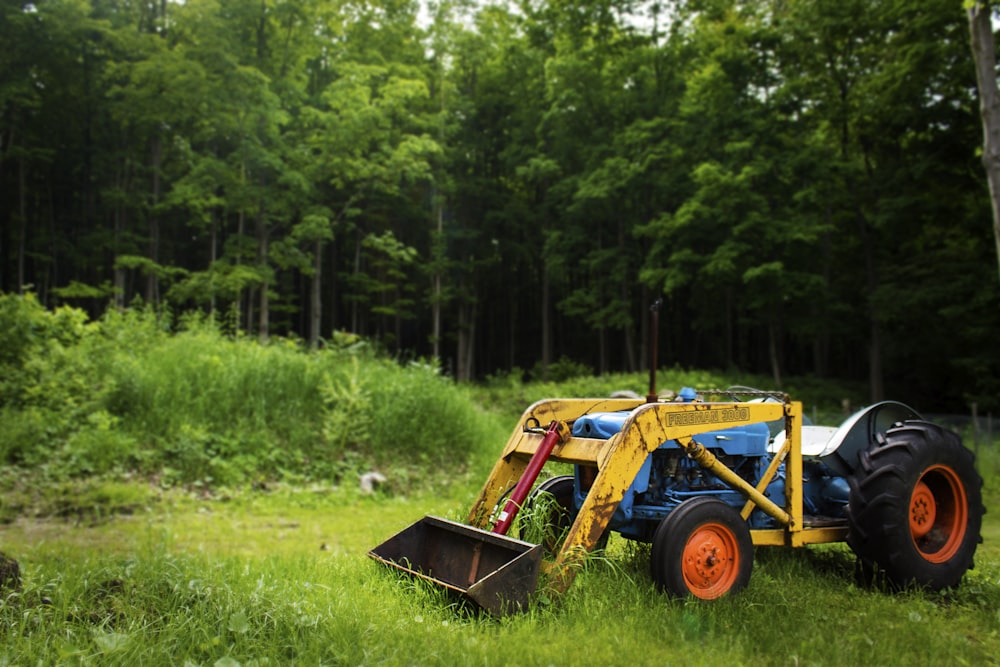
<point x="980" y="15"/>
<point x="515" y="183"/>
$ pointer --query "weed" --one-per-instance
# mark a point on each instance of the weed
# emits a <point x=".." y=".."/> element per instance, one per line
<point x="543" y="521"/>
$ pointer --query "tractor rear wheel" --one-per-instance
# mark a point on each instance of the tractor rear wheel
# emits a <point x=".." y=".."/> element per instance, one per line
<point x="915" y="507"/>
<point x="702" y="549"/>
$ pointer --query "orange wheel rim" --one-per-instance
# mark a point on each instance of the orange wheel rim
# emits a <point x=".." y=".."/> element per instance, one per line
<point x="923" y="510"/>
<point x="939" y="512"/>
<point x="711" y="560"/>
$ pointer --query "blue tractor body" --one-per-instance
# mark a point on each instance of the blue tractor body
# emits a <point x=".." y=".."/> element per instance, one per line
<point x="669" y="477"/>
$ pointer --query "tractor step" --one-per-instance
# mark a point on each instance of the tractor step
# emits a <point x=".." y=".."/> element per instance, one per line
<point x="810" y="521"/>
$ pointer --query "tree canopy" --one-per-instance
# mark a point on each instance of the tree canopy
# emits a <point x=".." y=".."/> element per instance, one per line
<point x="510" y="185"/>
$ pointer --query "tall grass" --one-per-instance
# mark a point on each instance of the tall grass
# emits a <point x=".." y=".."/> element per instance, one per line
<point x="223" y="409"/>
<point x="188" y="404"/>
<point x="823" y="400"/>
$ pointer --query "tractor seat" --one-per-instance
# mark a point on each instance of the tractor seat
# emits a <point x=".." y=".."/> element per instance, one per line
<point x="815" y="440"/>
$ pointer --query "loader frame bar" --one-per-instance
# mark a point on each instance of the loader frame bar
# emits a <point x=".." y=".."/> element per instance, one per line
<point x="619" y="459"/>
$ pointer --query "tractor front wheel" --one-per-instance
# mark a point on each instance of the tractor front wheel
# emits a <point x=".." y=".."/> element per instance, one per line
<point x="915" y="508"/>
<point x="702" y="549"/>
<point x="549" y="513"/>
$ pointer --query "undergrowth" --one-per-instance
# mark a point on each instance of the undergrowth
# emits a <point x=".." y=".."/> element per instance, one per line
<point x="186" y="404"/>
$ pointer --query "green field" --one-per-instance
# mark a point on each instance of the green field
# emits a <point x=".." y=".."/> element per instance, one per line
<point x="192" y="499"/>
<point x="281" y="577"/>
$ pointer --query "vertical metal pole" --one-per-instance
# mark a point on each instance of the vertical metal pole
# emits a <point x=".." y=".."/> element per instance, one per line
<point x="975" y="427"/>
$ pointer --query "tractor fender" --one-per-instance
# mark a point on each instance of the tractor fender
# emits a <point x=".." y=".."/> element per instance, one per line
<point x="858" y="432"/>
<point x="839" y="448"/>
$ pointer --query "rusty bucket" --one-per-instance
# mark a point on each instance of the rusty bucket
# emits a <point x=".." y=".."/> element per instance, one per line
<point x="496" y="572"/>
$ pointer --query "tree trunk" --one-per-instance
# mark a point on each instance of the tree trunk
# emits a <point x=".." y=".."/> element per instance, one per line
<point x="436" y="318"/>
<point x="119" y="272"/>
<point x="602" y="354"/>
<point x="332" y="292"/>
<point x="465" y="352"/>
<point x="22" y="223"/>
<point x="772" y="349"/>
<point x="730" y="336"/>
<point x="875" y="361"/>
<point x="120" y="215"/>
<point x="631" y="358"/>
<point x="152" y="279"/>
<point x="240" y="231"/>
<point x="470" y="352"/>
<point x="4" y="148"/>
<point x="250" y="319"/>
<point x="624" y="285"/>
<point x="398" y="322"/>
<point x="875" y="382"/>
<point x="821" y="343"/>
<point x="315" y="296"/>
<point x="512" y="331"/>
<point x="436" y="298"/>
<point x="645" y="338"/>
<point x="984" y="55"/>
<point x="263" y="331"/>
<point x="355" y="323"/>
<point x="51" y="278"/>
<point x="213" y="255"/>
<point x="546" y="324"/>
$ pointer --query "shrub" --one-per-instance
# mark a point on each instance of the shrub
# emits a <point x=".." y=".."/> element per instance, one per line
<point x="35" y="345"/>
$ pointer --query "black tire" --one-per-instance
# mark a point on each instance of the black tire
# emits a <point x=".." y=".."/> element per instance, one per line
<point x="560" y="512"/>
<point x="702" y="549"/>
<point x="915" y="508"/>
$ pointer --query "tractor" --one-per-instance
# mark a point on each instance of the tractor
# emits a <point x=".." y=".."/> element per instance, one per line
<point x="705" y="477"/>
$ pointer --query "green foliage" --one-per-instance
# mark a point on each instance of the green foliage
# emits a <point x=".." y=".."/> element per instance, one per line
<point x="100" y="445"/>
<point x="48" y="377"/>
<point x="27" y="328"/>
<point x="122" y="394"/>
<point x="561" y="370"/>
<point x="199" y="407"/>
<point x="348" y="411"/>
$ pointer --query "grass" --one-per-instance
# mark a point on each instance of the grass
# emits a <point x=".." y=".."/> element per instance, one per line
<point x="280" y="577"/>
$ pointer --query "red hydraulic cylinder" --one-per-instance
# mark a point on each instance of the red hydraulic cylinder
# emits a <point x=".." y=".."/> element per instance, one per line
<point x="557" y="432"/>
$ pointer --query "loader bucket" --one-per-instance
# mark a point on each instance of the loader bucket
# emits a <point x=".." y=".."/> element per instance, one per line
<point x="496" y="572"/>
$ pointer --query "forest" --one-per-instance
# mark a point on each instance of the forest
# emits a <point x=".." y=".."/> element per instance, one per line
<point x="508" y="187"/>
